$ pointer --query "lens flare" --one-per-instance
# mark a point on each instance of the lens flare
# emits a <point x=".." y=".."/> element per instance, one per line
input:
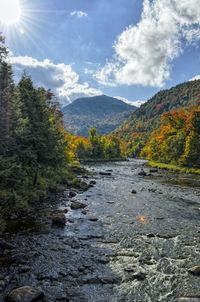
<point x="10" y="12"/>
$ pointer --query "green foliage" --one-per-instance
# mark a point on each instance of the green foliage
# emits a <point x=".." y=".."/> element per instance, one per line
<point x="33" y="156"/>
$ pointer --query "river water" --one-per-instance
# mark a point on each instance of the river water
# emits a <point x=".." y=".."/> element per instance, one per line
<point x="126" y="247"/>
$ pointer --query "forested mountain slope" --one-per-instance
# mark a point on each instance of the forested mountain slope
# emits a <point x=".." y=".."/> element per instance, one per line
<point x="148" y="115"/>
<point x="102" y="112"/>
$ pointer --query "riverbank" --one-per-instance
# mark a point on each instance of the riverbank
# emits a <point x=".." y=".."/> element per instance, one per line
<point x="173" y="168"/>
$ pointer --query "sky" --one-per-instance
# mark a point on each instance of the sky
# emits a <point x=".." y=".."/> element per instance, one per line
<point x="123" y="48"/>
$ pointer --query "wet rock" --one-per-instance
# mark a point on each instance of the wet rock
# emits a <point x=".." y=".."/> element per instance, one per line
<point x="25" y="294"/>
<point x="93" y="219"/>
<point x="93" y="182"/>
<point x="194" y="270"/>
<point x="75" y="205"/>
<point x="103" y="260"/>
<point x="59" y="220"/>
<point x="133" y="191"/>
<point x="105" y="173"/>
<point x="84" y="212"/>
<point x="72" y="194"/>
<point x="153" y="170"/>
<point x="151" y="235"/>
<point x="140" y="276"/>
<point x="142" y="173"/>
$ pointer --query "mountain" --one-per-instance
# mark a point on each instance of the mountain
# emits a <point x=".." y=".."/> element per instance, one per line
<point x="147" y="117"/>
<point x="102" y="112"/>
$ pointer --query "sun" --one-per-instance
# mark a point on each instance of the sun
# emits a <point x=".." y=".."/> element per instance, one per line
<point x="10" y="12"/>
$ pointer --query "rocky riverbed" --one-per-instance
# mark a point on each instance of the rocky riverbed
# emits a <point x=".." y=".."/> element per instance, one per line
<point x="131" y="237"/>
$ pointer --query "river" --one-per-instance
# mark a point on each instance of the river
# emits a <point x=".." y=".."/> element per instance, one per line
<point x="136" y="241"/>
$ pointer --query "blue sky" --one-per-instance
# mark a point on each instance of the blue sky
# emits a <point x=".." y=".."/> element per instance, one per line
<point x="126" y="48"/>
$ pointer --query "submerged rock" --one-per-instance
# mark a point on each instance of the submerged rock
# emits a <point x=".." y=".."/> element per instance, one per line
<point x="25" y="294"/>
<point x="75" y="205"/>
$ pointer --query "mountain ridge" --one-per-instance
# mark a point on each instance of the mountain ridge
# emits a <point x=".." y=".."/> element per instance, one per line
<point x="102" y="112"/>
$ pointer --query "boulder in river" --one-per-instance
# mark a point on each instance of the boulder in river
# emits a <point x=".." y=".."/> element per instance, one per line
<point x="72" y="194"/>
<point x="75" y="205"/>
<point x="142" y="173"/>
<point x="195" y="270"/>
<point x="59" y="219"/>
<point x="25" y="294"/>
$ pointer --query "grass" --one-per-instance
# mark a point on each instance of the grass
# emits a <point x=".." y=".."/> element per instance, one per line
<point x="174" y="168"/>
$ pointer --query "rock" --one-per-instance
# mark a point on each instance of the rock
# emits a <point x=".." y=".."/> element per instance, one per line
<point x="195" y="270"/>
<point x="93" y="182"/>
<point x="151" y="235"/>
<point x="72" y="194"/>
<point x="93" y="219"/>
<point x="142" y="173"/>
<point x="84" y="212"/>
<point x="105" y="173"/>
<point x="25" y="294"/>
<point x="133" y="191"/>
<point x="140" y="276"/>
<point x="110" y="201"/>
<point x="59" y="219"/>
<point x="75" y="205"/>
<point x="153" y="170"/>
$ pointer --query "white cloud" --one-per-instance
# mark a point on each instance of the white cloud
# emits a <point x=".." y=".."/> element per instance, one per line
<point x="78" y="14"/>
<point x="137" y="103"/>
<point x="60" y="78"/>
<point x="144" y="52"/>
<point x="197" y="77"/>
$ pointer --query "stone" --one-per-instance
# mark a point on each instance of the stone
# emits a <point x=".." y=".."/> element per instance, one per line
<point x="59" y="220"/>
<point x="142" y="173"/>
<point x="105" y="173"/>
<point x="140" y="276"/>
<point x="195" y="270"/>
<point x="84" y="212"/>
<point x="93" y="219"/>
<point x="93" y="182"/>
<point x="153" y="170"/>
<point x="72" y="194"/>
<point x="75" y="205"/>
<point x="133" y="191"/>
<point x="25" y="294"/>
